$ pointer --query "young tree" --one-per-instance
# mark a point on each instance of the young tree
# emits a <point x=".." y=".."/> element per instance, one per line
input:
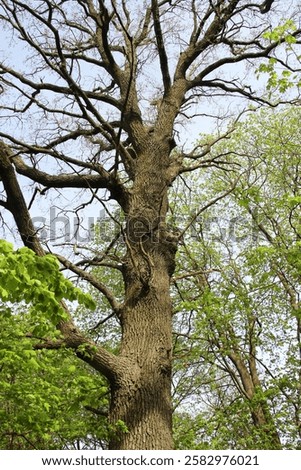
<point x="96" y="106"/>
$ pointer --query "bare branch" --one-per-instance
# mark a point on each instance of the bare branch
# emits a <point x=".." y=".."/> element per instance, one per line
<point x="93" y="281"/>
<point x="205" y="207"/>
<point x="102" y="180"/>
<point x="161" y="47"/>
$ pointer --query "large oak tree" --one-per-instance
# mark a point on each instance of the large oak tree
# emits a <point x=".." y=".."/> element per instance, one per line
<point x="97" y="106"/>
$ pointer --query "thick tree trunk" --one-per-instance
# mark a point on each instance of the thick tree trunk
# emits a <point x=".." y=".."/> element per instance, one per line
<point x="141" y="395"/>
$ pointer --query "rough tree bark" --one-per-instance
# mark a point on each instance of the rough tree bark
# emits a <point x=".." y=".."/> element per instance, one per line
<point x="131" y="157"/>
<point x="145" y="402"/>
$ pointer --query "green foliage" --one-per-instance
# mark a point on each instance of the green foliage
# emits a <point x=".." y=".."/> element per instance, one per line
<point x="37" y="281"/>
<point x="279" y="82"/>
<point x="283" y="31"/>
<point x="239" y="311"/>
<point x="45" y="396"/>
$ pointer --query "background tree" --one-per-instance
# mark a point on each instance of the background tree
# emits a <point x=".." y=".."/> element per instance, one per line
<point x="239" y="285"/>
<point x="87" y="111"/>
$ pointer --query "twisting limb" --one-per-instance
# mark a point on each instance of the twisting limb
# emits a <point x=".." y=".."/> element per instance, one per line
<point x="93" y="281"/>
<point x="97" y="356"/>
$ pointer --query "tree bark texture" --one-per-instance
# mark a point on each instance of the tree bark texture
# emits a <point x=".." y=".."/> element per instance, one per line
<point x="141" y="396"/>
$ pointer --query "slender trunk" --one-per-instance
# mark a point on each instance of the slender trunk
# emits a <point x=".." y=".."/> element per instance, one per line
<point x="260" y="412"/>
